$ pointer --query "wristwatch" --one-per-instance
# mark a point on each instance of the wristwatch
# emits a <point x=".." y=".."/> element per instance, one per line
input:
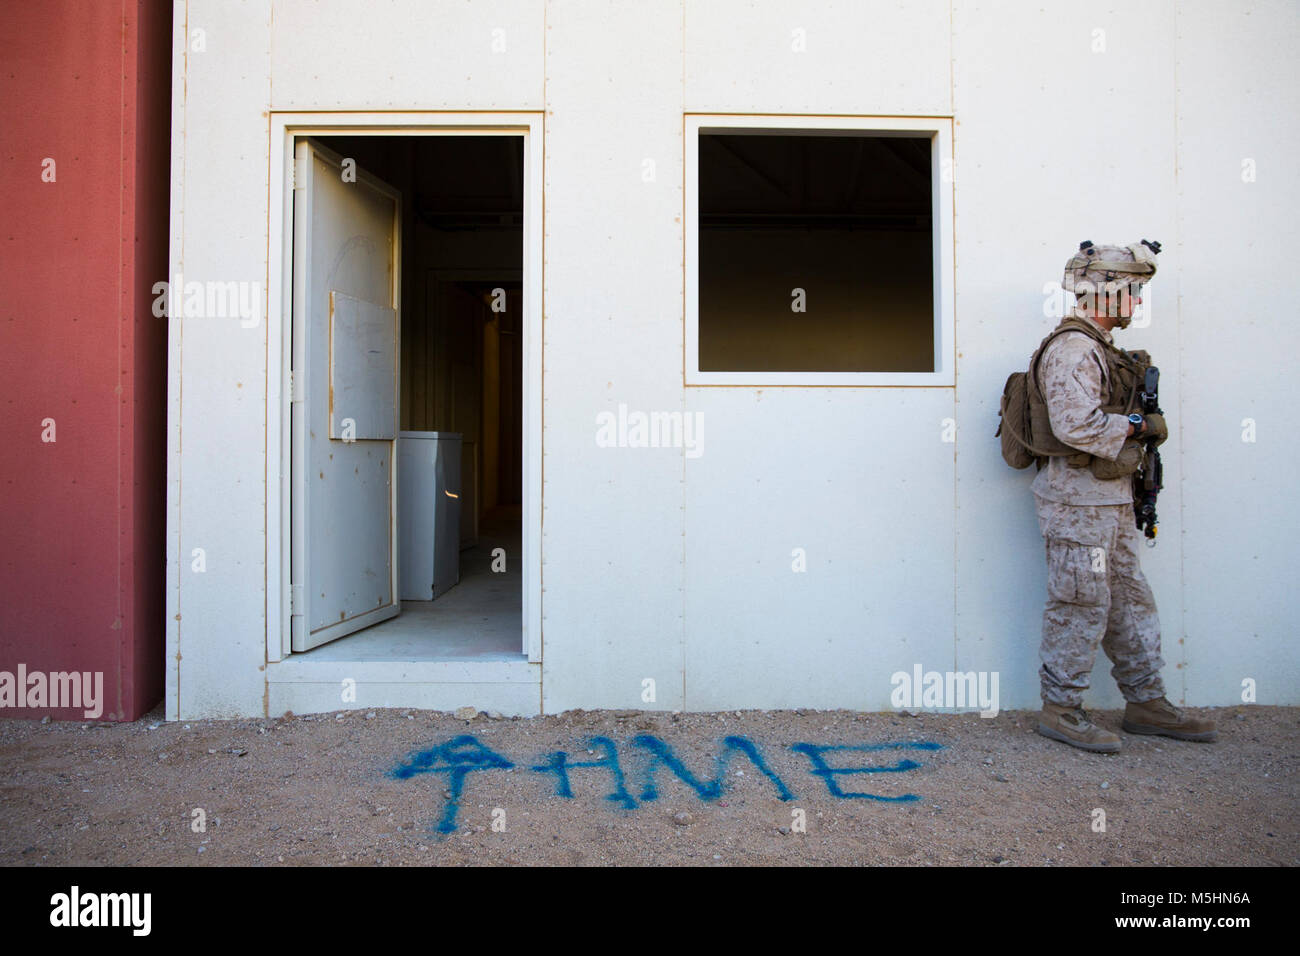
<point x="1139" y="424"/>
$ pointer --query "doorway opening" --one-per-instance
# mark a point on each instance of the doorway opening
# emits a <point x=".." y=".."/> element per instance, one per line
<point x="408" y="414"/>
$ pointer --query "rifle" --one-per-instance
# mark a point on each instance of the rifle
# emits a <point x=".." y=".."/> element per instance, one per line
<point x="1149" y="478"/>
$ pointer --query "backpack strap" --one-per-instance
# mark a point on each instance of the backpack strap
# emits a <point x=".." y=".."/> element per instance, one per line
<point x="1068" y="324"/>
<point x="1076" y="458"/>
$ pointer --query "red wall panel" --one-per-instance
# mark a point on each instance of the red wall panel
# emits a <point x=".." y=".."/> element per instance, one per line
<point x="86" y="84"/>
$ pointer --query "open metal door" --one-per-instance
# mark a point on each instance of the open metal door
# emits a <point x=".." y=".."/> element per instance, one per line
<point x="344" y="401"/>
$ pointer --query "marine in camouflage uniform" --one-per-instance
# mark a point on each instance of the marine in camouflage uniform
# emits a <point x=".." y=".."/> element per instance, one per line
<point x="1096" y="592"/>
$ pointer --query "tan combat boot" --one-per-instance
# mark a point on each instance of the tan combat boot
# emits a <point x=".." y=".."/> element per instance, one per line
<point x="1071" y="725"/>
<point x="1161" y="717"/>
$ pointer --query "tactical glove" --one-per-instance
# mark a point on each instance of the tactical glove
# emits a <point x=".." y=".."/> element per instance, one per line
<point x="1128" y="461"/>
<point x="1156" y="430"/>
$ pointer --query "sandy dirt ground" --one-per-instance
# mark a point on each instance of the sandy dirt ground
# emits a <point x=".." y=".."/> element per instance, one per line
<point x="320" y="790"/>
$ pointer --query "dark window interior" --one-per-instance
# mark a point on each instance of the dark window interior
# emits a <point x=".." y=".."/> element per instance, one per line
<point x="845" y="217"/>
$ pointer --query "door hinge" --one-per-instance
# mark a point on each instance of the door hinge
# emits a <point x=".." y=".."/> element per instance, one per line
<point x="295" y="600"/>
<point x="295" y="388"/>
<point x="297" y="174"/>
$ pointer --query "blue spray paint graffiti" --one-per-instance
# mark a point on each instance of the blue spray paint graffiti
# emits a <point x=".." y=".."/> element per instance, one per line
<point x="558" y="764"/>
<point x="815" y="754"/>
<point x="457" y="758"/>
<point x="663" y="756"/>
<point x="464" y="755"/>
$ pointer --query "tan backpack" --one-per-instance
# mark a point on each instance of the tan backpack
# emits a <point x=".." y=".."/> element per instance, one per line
<point x="1017" y="449"/>
<point x="1026" y="429"/>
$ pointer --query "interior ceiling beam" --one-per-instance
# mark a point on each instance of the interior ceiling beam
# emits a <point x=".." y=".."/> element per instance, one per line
<point x="745" y="162"/>
<point x="903" y="222"/>
<point x="888" y="147"/>
<point x="469" y="219"/>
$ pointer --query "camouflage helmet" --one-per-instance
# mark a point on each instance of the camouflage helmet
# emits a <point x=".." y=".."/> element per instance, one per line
<point x="1107" y="269"/>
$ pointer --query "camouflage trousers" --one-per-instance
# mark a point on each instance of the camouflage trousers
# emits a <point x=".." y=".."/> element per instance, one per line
<point x="1096" y="594"/>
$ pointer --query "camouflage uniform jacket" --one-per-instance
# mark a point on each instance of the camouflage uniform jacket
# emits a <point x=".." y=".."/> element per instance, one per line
<point x="1073" y="379"/>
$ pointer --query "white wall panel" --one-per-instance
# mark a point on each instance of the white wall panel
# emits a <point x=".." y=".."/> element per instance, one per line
<point x="220" y="425"/>
<point x="407" y="54"/>
<point x="870" y="57"/>
<point x="657" y="565"/>
<point x="1054" y="143"/>
<point x="175" y="460"/>
<point x="612" y="517"/>
<point x="861" y="480"/>
<point x="1237" y="78"/>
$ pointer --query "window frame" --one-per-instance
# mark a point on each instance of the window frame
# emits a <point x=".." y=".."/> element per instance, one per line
<point x="939" y="129"/>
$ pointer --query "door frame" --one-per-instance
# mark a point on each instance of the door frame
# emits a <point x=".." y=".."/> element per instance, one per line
<point x="285" y="127"/>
